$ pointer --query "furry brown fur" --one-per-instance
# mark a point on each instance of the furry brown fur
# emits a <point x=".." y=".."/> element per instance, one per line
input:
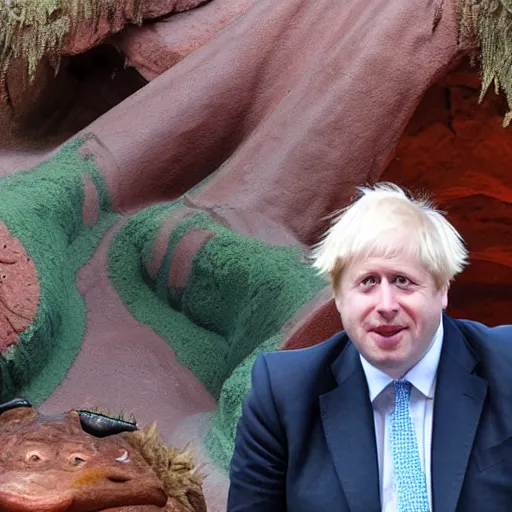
<point x="177" y="469"/>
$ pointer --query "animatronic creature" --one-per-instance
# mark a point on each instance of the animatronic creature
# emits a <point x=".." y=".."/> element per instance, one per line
<point x="83" y="461"/>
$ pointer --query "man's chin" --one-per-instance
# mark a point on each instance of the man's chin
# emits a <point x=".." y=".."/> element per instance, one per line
<point x="391" y="363"/>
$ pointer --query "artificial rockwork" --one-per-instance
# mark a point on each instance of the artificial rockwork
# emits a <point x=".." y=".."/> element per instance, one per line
<point x="160" y="227"/>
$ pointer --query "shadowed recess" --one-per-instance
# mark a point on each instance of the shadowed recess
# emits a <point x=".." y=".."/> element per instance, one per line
<point x="33" y="29"/>
<point x="42" y="208"/>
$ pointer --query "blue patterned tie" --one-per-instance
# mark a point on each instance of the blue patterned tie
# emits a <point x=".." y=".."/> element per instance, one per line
<point x="411" y="486"/>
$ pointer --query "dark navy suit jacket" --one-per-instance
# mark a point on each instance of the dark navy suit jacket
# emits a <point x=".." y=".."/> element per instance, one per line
<point x="306" y="440"/>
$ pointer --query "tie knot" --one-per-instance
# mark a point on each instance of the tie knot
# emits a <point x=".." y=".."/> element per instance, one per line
<point x="402" y="389"/>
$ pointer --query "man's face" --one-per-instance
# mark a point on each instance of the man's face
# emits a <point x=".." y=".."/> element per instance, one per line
<point x="390" y="309"/>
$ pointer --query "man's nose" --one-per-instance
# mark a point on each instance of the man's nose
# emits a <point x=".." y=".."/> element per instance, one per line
<point x="387" y="304"/>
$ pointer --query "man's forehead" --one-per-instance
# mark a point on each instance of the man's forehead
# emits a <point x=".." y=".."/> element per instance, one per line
<point x="395" y="264"/>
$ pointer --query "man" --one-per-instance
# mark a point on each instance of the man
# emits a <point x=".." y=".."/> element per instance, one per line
<point x="408" y="409"/>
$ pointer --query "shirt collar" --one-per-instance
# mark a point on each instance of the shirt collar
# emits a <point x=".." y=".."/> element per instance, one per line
<point x="421" y="376"/>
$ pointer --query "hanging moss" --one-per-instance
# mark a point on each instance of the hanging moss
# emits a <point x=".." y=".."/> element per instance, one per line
<point x="33" y="29"/>
<point x="491" y="22"/>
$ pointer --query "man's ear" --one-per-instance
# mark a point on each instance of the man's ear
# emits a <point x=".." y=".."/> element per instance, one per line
<point x="337" y="298"/>
<point x="444" y="295"/>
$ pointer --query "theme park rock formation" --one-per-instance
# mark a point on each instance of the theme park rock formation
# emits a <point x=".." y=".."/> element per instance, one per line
<point x="161" y="223"/>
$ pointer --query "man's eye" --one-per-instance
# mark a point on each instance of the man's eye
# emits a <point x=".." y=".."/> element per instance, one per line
<point x="368" y="281"/>
<point x="402" y="281"/>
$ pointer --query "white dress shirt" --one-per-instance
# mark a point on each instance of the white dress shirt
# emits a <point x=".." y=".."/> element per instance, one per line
<point x="421" y="405"/>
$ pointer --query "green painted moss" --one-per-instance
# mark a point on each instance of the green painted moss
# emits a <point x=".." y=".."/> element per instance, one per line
<point x="197" y="348"/>
<point x="239" y="295"/>
<point x="42" y="207"/>
<point x="220" y="439"/>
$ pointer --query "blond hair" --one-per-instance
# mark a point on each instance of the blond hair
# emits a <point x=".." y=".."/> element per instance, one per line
<point x="386" y="222"/>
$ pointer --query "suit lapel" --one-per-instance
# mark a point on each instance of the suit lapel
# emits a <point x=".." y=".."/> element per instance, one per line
<point x="458" y="405"/>
<point x="347" y="418"/>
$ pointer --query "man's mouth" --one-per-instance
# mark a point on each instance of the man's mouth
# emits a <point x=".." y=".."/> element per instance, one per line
<point x="388" y="330"/>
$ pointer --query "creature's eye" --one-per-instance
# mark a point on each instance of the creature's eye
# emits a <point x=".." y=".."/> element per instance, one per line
<point x="33" y="456"/>
<point x="77" y="459"/>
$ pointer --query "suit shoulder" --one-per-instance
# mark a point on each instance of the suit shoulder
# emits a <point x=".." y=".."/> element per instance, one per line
<point x="308" y="356"/>
<point x="493" y="347"/>
<point x="294" y="379"/>
<point x="299" y="367"/>
<point x="495" y="336"/>
<point x="492" y="344"/>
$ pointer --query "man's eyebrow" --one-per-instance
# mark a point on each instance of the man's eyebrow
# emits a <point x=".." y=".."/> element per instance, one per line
<point x="357" y="275"/>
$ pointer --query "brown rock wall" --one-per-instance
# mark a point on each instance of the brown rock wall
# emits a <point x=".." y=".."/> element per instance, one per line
<point x="459" y="151"/>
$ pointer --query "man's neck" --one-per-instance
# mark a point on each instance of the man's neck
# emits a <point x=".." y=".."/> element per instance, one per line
<point x="421" y="375"/>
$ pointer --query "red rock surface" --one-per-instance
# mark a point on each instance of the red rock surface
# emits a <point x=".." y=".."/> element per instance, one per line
<point x="19" y="289"/>
<point x="457" y="151"/>
<point x="154" y="48"/>
<point x="460" y="153"/>
<point x="270" y="107"/>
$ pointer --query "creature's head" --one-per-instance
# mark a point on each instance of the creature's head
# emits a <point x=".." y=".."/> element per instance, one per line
<point x="80" y="461"/>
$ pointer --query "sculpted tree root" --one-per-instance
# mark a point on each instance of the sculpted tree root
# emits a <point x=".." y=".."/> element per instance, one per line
<point x="19" y="289"/>
<point x="232" y="295"/>
<point x="154" y="48"/>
